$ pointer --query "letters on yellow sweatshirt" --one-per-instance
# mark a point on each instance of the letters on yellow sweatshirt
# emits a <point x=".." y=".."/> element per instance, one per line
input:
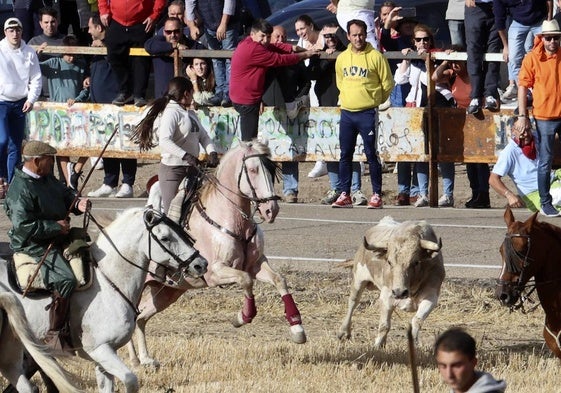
<point x="364" y="79"/>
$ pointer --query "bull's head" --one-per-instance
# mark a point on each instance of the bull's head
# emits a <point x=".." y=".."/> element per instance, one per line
<point x="406" y="254"/>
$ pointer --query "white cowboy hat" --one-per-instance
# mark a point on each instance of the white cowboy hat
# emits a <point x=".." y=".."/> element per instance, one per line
<point x="550" y="27"/>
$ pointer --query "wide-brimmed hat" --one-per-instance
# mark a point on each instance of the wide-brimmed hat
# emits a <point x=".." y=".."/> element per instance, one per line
<point x="550" y="27"/>
<point x="12" y="22"/>
<point x="37" y="149"/>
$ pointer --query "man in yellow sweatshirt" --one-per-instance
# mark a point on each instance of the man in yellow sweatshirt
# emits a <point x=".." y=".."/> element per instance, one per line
<point x="365" y="80"/>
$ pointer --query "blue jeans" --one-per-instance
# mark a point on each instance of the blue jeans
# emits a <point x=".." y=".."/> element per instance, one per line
<point x="333" y="173"/>
<point x="546" y="135"/>
<point x="407" y="184"/>
<point x="289" y="177"/>
<point x="12" y="128"/>
<point x="457" y="32"/>
<point x="222" y="66"/>
<point x="447" y="171"/>
<point x="519" y="43"/>
<point x="350" y="125"/>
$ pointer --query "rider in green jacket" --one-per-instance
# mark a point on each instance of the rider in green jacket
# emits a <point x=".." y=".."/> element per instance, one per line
<point x="37" y="205"/>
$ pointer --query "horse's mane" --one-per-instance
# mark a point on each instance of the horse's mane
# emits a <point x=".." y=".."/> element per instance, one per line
<point x="257" y="147"/>
<point x="124" y="216"/>
<point x="554" y="230"/>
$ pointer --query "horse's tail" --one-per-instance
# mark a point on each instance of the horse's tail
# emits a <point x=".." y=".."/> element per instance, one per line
<point x="20" y="326"/>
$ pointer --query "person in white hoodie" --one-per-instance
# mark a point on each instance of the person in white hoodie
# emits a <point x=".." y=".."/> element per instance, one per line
<point x="20" y="86"/>
<point x="455" y="354"/>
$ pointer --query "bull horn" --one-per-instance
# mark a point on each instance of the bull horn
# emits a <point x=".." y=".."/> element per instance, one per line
<point x="430" y="245"/>
<point x="372" y="247"/>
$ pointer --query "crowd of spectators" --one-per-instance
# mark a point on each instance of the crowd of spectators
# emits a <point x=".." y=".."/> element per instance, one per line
<point x="300" y="78"/>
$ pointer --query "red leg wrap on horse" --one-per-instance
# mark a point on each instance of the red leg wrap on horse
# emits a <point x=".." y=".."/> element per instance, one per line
<point x="291" y="311"/>
<point x="249" y="310"/>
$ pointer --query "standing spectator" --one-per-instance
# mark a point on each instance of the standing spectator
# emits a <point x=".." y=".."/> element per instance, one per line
<point x="180" y="133"/>
<point x="201" y="75"/>
<point x="323" y="71"/>
<point x="104" y="86"/>
<point x="310" y="38"/>
<point x="65" y="76"/>
<point x="288" y="88"/>
<point x="414" y="72"/>
<point x="363" y="10"/>
<point x="526" y="20"/>
<point x="385" y="10"/>
<point x="455" y="17"/>
<point x="540" y="72"/>
<point x="481" y="38"/>
<point x="129" y="24"/>
<point x="250" y="61"/>
<point x="20" y="78"/>
<point x="364" y="79"/>
<point x="220" y="24"/>
<point x="48" y="20"/>
<point x="176" y="9"/>
<point x="162" y="47"/>
<point x="456" y="358"/>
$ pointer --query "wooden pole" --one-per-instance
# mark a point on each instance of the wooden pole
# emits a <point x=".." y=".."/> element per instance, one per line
<point x="413" y="360"/>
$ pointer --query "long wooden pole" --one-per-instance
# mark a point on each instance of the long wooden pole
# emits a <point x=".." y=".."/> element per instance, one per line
<point x="76" y="198"/>
<point x="413" y="360"/>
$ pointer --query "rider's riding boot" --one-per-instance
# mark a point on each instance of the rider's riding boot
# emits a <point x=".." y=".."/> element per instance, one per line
<point x="57" y="336"/>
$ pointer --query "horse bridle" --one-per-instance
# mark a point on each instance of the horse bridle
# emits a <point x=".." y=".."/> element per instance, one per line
<point x="244" y="170"/>
<point x="149" y="224"/>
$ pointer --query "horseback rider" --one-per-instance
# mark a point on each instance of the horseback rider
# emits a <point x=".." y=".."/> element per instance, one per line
<point x="37" y="205"/>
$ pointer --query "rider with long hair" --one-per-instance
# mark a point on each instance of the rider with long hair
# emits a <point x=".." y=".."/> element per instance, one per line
<point x="180" y="133"/>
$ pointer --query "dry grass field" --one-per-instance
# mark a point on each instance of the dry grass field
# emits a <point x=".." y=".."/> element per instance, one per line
<point x="200" y="351"/>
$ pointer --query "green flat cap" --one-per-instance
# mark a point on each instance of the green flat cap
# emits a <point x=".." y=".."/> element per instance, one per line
<point x="38" y="148"/>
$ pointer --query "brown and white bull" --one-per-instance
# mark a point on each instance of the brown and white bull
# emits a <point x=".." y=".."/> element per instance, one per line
<point x="404" y="261"/>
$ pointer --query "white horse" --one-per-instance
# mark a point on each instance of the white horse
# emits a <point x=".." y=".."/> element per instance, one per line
<point x="16" y="335"/>
<point x="226" y="235"/>
<point x="102" y="317"/>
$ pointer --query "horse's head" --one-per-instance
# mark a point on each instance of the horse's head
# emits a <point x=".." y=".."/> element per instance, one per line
<point x="256" y="174"/>
<point x="516" y="258"/>
<point x="170" y="247"/>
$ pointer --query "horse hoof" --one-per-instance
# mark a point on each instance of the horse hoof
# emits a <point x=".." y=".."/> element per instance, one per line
<point x="238" y="320"/>
<point x="342" y="335"/>
<point x="297" y="334"/>
<point x="150" y="363"/>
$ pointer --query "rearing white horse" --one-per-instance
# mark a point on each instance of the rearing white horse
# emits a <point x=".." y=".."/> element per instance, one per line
<point x="102" y="317"/>
<point x="226" y="235"/>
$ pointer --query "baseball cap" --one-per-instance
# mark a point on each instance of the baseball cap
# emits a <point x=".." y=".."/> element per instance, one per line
<point x="12" y="22"/>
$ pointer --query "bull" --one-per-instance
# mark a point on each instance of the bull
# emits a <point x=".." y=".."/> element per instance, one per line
<point x="404" y="261"/>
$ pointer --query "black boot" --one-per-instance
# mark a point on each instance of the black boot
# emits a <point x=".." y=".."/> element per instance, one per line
<point x="482" y="201"/>
<point x="57" y="337"/>
<point x="473" y="198"/>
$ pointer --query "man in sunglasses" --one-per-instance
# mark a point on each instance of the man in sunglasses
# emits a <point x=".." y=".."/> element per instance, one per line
<point x="162" y="46"/>
<point x="540" y="72"/>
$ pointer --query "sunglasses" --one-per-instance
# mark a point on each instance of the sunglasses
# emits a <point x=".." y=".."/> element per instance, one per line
<point x="551" y="38"/>
<point x="424" y="39"/>
<point x="169" y="32"/>
<point x="329" y="36"/>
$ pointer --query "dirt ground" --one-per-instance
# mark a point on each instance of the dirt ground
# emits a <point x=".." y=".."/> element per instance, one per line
<point x="313" y="190"/>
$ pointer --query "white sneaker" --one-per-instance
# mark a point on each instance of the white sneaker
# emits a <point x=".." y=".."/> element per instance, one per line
<point x="293" y="108"/>
<point x="99" y="165"/>
<point x="358" y="198"/>
<point x="510" y="94"/>
<point x="319" y="169"/>
<point x="446" y="201"/>
<point x="124" y="192"/>
<point x="103" y="191"/>
<point x="422" y="201"/>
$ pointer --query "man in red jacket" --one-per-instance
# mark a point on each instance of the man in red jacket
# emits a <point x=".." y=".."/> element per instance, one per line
<point x="250" y="61"/>
<point x="129" y="24"/>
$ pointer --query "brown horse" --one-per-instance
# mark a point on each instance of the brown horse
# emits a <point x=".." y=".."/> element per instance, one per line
<point x="531" y="249"/>
<point x="222" y="224"/>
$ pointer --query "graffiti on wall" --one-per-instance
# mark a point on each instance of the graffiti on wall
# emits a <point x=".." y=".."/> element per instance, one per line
<point x="312" y="135"/>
